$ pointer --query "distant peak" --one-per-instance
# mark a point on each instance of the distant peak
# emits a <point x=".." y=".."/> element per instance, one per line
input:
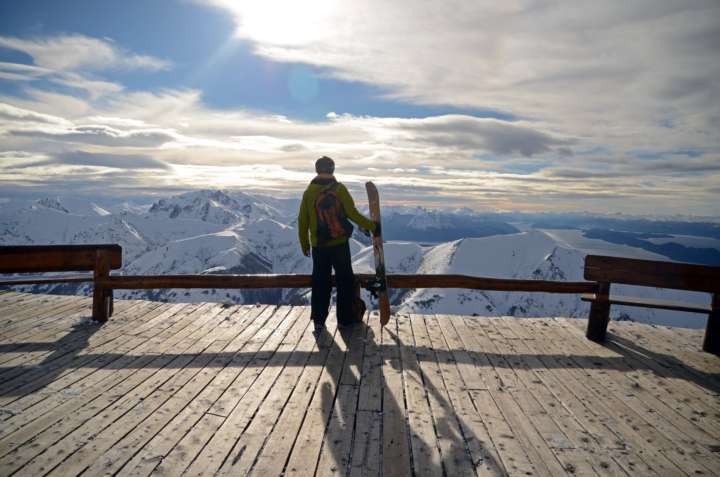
<point x="52" y="203"/>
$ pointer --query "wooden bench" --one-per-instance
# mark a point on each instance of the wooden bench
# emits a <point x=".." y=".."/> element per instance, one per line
<point x="608" y="270"/>
<point x="99" y="259"/>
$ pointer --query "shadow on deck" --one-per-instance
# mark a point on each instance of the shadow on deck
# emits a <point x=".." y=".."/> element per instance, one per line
<point x="208" y="389"/>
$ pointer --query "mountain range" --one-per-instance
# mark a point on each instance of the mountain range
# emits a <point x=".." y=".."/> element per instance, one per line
<point x="220" y="232"/>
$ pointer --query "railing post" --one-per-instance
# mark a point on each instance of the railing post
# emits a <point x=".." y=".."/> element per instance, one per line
<point x="599" y="313"/>
<point x="102" y="298"/>
<point x="711" y="344"/>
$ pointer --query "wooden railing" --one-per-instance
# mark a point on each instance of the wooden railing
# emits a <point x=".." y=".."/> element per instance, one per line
<point x="600" y="270"/>
<point x="305" y="281"/>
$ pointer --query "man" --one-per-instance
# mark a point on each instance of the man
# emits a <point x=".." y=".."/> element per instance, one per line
<point x="324" y="212"/>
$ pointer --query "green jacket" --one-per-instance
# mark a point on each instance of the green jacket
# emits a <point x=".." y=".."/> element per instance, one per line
<point x="307" y="218"/>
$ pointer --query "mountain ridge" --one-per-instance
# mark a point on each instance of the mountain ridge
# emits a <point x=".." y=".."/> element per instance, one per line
<point x="218" y="232"/>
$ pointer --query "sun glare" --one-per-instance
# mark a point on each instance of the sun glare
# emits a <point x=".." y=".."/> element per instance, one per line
<point x="283" y="22"/>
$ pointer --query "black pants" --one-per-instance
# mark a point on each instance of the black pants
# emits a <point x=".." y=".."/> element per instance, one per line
<point x="324" y="260"/>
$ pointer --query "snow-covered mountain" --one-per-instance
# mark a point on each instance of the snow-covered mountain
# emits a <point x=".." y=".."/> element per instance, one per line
<point x="218" y="232"/>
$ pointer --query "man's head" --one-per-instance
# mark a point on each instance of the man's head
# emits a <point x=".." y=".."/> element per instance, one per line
<point x="324" y="165"/>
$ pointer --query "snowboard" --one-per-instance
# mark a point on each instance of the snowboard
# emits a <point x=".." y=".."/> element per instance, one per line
<point x="379" y="285"/>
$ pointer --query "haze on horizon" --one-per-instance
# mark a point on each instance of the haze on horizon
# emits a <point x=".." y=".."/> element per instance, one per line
<point x="607" y="107"/>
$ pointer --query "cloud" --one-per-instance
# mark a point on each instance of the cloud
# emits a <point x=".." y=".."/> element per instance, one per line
<point x="21" y="72"/>
<point x="83" y="158"/>
<point x="491" y="135"/>
<point x="608" y="71"/>
<point x="96" y="88"/>
<point x="102" y="135"/>
<point x="117" y="161"/>
<point x="438" y="160"/>
<point x="10" y="112"/>
<point x="79" y="52"/>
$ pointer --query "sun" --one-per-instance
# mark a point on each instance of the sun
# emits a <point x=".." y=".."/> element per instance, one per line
<point x="283" y="22"/>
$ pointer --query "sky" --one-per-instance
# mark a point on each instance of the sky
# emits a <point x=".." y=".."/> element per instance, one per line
<point x="529" y="105"/>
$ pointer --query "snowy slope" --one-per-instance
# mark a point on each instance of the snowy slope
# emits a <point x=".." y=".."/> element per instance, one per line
<point x="224" y="232"/>
<point x="527" y="255"/>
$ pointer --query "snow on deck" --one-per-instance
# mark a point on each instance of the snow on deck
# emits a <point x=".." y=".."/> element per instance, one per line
<point x="210" y="389"/>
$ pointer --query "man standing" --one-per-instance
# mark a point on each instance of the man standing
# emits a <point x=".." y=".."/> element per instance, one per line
<point x="324" y="212"/>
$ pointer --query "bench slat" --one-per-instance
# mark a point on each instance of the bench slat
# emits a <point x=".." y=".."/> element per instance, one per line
<point x="651" y="303"/>
<point x="649" y="273"/>
<point x="56" y="258"/>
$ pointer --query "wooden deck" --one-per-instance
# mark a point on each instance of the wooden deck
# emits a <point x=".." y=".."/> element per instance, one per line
<point x="206" y="389"/>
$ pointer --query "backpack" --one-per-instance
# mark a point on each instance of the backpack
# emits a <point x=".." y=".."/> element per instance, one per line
<point x="331" y="219"/>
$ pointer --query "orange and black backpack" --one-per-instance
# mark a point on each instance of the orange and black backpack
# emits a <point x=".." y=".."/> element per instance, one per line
<point x="331" y="219"/>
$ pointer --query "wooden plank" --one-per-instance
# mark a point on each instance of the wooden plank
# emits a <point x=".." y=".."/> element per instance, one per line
<point x="274" y="454"/>
<point x="569" y="441"/>
<point x="42" y="347"/>
<point x="371" y="390"/>
<point x="265" y="422"/>
<point x="256" y="354"/>
<point x="59" y="404"/>
<point x="660" y="343"/>
<point x="684" y="379"/>
<point x="172" y="394"/>
<point x="667" y="383"/>
<point x="48" y="339"/>
<point x="69" y="358"/>
<point x="8" y="297"/>
<point x="97" y="434"/>
<point x="73" y="378"/>
<point x="196" y="396"/>
<point x="462" y="378"/>
<point x="76" y="429"/>
<point x="396" y="447"/>
<point x="56" y="258"/>
<point x="366" y="457"/>
<point x="612" y="409"/>
<point x="603" y="428"/>
<point x="652" y="273"/>
<point x="423" y="440"/>
<point x="335" y="453"/>
<point x="54" y="320"/>
<point x="27" y="430"/>
<point x="30" y="339"/>
<point x="448" y="395"/>
<point x="19" y="303"/>
<point x="650" y="303"/>
<point x="483" y="385"/>
<point x="537" y="429"/>
<point x="72" y="402"/>
<point x="35" y="315"/>
<point x="543" y="410"/>
<point x="592" y="441"/>
<point x="367" y="449"/>
<point x="691" y="355"/>
<point x="672" y="429"/>
<point x="305" y="454"/>
<point x="165" y="431"/>
<point x="255" y="382"/>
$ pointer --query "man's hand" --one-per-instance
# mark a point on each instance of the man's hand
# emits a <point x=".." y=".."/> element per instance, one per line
<point x="306" y="252"/>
